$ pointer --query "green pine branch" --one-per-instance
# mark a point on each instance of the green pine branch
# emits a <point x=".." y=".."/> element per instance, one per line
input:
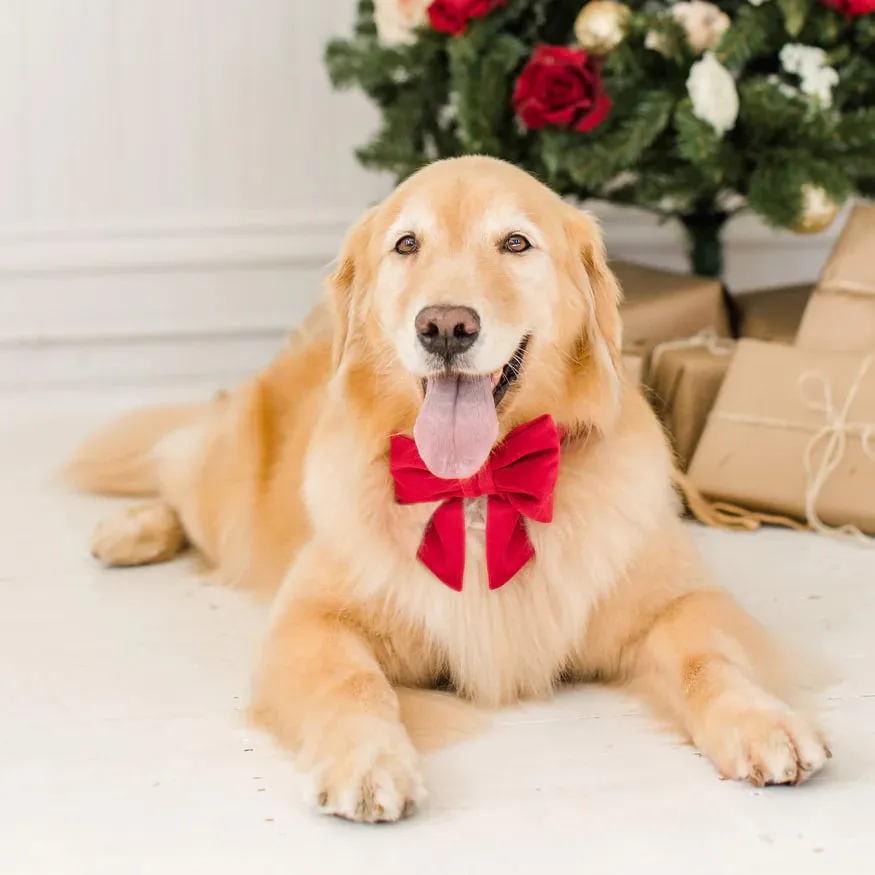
<point x="483" y="72"/>
<point x="795" y="13"/>
<point x="753" y="31"/>
<point x="593" y="161"/>
<point x="445" y="96"/>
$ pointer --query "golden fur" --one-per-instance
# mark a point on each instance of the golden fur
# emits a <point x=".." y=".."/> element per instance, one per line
<point x="285" y="481"/>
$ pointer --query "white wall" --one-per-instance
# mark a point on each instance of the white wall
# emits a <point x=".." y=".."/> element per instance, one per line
<point x="169" y="170"/>
<point x="176" y="174"/>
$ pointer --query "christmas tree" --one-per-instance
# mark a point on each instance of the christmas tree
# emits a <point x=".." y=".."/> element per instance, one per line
<point x="692" y="110"/>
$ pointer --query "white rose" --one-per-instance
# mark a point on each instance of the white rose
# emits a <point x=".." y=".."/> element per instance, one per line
<point x="704" y="25"/>
<point x="816" y="78"/>
<point x="655" y="42"/>
<point x="703" y="22"/>
<point x="799" y="59"/>
<point x="397" y="19"/>
<point x="820" y="85"/>
<point x="712" y="90"/>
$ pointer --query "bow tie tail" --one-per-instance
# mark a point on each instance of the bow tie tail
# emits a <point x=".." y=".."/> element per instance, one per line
<point x="508" y="547"/>
<point x="442" y="549"/>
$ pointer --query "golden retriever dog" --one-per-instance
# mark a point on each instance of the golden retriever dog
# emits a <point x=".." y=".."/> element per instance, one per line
<point x="473" y="316"/>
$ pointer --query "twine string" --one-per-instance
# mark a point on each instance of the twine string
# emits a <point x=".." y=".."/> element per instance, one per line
<point x="707" y="339"/>
<point x="835" y="431"/>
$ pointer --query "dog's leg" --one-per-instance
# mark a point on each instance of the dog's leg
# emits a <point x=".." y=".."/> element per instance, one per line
<point x="140" y="535"/>
<point x="321" y="689"/>
<point x="694" y="662"/>
<point x="701" y="660"/>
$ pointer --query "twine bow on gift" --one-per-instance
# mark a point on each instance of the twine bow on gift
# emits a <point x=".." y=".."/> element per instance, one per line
<point x="718" y="514"/>
<point x="708" y="339"/>
<point x="836" y="430"/>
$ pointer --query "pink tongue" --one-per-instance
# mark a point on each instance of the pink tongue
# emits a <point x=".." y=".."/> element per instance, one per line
<point x="457" y="425"/>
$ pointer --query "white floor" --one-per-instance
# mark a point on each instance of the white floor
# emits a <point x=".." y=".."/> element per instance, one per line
<point x="123" y="750"/>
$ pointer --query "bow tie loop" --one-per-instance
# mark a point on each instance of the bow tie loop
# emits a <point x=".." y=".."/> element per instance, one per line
<point x="518" y="477"/>
<point x="482" y="483"/>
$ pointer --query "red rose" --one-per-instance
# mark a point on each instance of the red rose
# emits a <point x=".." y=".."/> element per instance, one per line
<point x="561" y="86"/>
<point x="452" y="16"/>
<point x="852" y="8"/>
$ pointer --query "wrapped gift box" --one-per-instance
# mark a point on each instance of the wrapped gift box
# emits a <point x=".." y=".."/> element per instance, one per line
<point x="841" y="313"/>
<point x="660" y="305"/>
<point x="793" y="432"/>
<point x="684" y="380"/>
<point x="773" y="314"/>
<point x="635" y="359"/>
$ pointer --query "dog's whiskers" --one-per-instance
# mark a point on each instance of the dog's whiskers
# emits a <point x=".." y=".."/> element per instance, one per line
<point x="564" y="353"/>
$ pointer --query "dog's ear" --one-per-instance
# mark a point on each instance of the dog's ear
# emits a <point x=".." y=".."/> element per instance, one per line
<point x="343" y="285"/>
<point x="600" y="342"/>
<point x="604" y="288"/>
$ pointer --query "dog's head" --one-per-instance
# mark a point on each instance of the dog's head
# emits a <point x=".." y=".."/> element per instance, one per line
<point x="471" y="300"/>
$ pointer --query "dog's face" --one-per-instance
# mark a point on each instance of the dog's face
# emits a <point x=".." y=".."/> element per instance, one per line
<point x="478" y="299"/>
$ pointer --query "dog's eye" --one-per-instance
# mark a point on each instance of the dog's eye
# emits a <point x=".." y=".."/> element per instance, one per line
<point x="516" y="243"/>
<point x="407" y="245"/>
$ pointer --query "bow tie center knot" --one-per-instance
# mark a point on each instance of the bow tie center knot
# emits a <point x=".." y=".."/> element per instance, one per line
<point x="482" y="483"/>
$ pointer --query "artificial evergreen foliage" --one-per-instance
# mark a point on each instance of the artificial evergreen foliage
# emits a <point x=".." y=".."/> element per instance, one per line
<point x="443" y="95"/>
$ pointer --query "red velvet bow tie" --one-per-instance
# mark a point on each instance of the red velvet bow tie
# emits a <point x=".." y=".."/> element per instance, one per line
<point x="519" y="477"/>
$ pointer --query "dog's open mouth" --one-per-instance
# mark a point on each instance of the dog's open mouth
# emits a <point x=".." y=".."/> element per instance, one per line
<point x="457" y="424"/>
<point x="502" y="380"/>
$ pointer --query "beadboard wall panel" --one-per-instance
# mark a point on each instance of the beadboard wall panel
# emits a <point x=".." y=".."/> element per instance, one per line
<point x="176" y="176"/>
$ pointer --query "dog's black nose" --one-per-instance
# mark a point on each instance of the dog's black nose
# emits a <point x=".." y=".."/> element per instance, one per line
<point x="447" y="331"/>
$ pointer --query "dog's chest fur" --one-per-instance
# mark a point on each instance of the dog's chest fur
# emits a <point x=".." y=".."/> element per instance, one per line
<point x="497" y="645"/>
<point x="475" y="518"/>
<point x="500" y="645"/>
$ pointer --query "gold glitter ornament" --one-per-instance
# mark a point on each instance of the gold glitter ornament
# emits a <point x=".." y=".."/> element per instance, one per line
<point x="601" y="26"/>
<point x="818" y="211"/>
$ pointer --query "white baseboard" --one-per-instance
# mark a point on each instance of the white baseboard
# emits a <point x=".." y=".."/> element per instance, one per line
<point x="169" y="300"/>
<point x="142" y="361"/>
<point x="755" y="256"/>
<point x="252" y="272"/>
<point x="213" y="297"/>
<point x="228" y="240"/>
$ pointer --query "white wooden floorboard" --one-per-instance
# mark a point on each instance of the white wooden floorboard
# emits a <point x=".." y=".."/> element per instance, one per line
<point x="123" y="749"/>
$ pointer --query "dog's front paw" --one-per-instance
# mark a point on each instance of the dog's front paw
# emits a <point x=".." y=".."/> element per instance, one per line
<point x="764" y="745"/>
<point x="365" y="769"/>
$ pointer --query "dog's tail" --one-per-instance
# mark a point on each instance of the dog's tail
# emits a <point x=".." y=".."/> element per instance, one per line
<point x="118" y="459"/>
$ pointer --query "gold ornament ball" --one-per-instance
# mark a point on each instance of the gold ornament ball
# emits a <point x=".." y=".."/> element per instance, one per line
<point x="601" y="26"/>
<point x="818" y="210"/>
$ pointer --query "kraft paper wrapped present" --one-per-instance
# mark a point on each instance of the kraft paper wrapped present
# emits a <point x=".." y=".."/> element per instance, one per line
<point x="773" y="314"/>
<point x="838" y="322"/>
<point x="661" y="305"/>
<point x="841" y="313"/>
<point x="793" y="433"/>
<point x="635" y="359"/>
<point x="684" y="379"/>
